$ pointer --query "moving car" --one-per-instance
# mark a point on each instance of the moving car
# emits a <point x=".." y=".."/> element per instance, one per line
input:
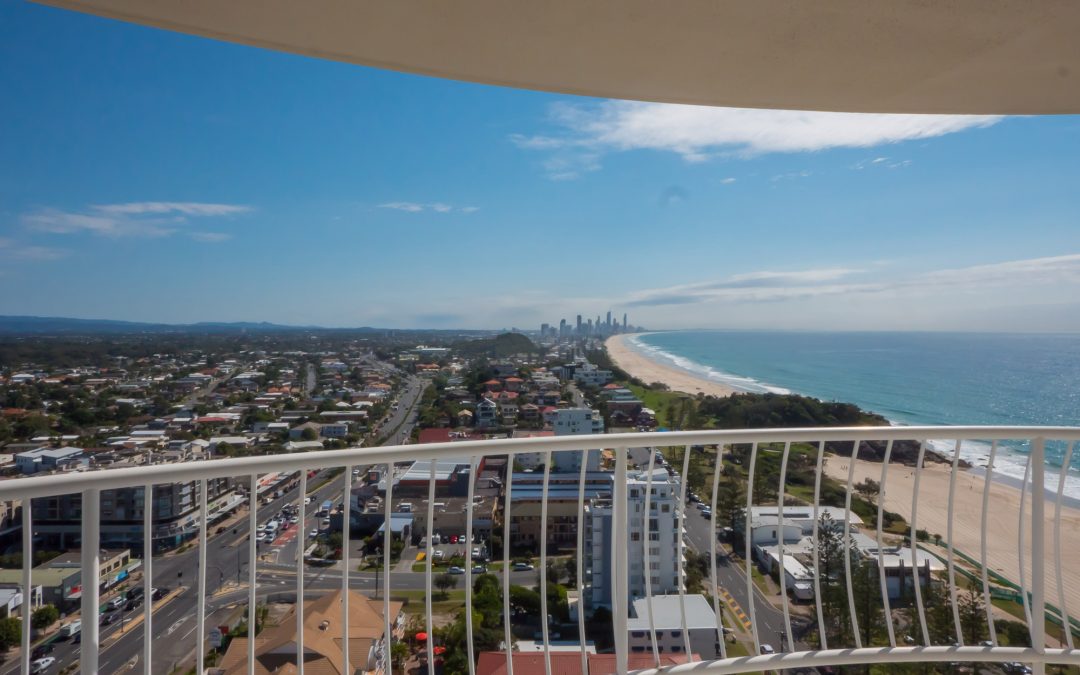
<point x="116" y="603"/>
<point x="455" y="570"/>
<point x="40" y="665"/>
<point x="314" y="533"/>
<point x="41" y="651"/>
<point x="767" y="649"/>
<point x="523" y="567"/>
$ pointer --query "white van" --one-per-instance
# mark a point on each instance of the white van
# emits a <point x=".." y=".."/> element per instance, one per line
<point x="71" y="629"/>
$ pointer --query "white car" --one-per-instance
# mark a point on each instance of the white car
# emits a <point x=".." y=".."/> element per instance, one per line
<point x="437" y="555"/>
<point x="455" y="570"/>
<point x="40" y="665"/>
<point x="313" y="534"/>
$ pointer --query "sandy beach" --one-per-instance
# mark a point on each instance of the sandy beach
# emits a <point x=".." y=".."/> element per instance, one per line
<point x="1002" y="524"/>
<point x="649" y="371"/>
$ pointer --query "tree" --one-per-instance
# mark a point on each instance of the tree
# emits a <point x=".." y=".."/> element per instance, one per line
<point x="10" y="633"/>
<point x="730" y="502"/>
<point x="868" y="489"/>
<point x="44" y="617"/>
<point x="444" y="582"/>
<point x="399" y="651"/>
<point x="309" y="434"/>
<point x="972" y="616"/>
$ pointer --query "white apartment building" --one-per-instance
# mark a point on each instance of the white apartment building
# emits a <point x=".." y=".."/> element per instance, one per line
<point x="568" y="422"/>
<point x="658" y="559"/>
<point x="667" y="611"/>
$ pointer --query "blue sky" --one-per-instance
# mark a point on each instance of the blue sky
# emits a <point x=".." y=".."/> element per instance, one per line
<point x="146" y="175"/>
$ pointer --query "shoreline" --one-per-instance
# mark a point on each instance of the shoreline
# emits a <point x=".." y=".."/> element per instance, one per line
<point x="649" y="371"/>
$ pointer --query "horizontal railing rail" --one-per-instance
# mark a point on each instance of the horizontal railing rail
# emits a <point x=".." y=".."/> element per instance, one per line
<point x="770" y="457"/>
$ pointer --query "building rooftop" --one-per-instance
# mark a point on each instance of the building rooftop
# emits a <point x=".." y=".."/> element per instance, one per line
<point x="667" y="613"/>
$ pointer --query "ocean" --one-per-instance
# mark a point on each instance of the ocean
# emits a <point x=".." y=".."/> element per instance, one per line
<point x="909" y="378"/>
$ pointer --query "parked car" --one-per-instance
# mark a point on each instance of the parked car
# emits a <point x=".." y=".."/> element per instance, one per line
<point x="157" y="593"/>
<point x="479" y="569"/>
<point x="438" y="555"/>
<point x="116" y="603"/>
<point x="110" y="617"/>
<point x="314" y="533"/>
<point x="41" y="651"/>
<point x="455" y="570"/>
<point x="42" y="664"/>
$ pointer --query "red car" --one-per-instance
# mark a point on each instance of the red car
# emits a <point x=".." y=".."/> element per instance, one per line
<point x="453" y="539"/>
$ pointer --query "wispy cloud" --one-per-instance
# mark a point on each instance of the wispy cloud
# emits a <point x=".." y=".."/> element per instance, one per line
<point x="193" y="209"/>
<point x="881" y="162"/>
<point x="436" y="207"/>
<point x="791" y="175"/>
<point x="767" y="286"/>
<point x="132" y="219"/>
<point x="727" y="181"/>
<point x="12" y="250"/>
<point x="697" y="133"/>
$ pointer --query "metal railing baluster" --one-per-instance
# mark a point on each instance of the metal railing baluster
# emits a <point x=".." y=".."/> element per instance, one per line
<point x="346" y="536"/>
<point x="429" y="622"/>
<point x="881" y="549"/>
<point x="200" y="611"/>
<point x="1062" y="606"/>
<point x="782" y="572"/>
<point x="470" y="560"/>
<point x="682" y="551"/>
<point x="712" y="553"/>
<point x="91" y="569"/>
<point x="646" y="531"/>
<point x="148" y="559"/>
<point x="1038" y="550"/>
<point x="949" y="550"/>
<point x="916" y="574"/>
<point x="620" y="553"/>
<point x="823" y="638"/>
<point x="982" y="544"/>
<point x="580" y="553"/>
<point x="253" y="562"/>
<point x="27" y="584"/>
<point x="544" y="619"/>
<point x="508" y="636"/>
<point x="388" y="543"/>
<point x="1022" y="530"/>
<point x="848" y="547"/>
<point x="301" y="498"/>
<point x="749" y="552"/>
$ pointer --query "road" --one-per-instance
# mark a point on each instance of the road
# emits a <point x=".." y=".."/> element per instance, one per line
<point x="731" y="575"/>
<point x="174" y="623"/>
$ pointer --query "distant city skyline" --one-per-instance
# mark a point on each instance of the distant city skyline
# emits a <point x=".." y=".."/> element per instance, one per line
<point x="152" y="176"/>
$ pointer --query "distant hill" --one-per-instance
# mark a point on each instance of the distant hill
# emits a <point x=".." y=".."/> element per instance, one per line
<point x="499" y="346"/>
<point x="48" y="325"/>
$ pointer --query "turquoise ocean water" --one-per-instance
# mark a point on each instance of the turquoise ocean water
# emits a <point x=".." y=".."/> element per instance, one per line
<point x="910" y="378"/>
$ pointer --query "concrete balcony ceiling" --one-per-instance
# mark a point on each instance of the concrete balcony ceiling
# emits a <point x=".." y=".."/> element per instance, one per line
<point x="896" y="56"/>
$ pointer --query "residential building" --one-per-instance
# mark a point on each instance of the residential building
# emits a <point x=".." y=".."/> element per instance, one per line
<point x="659" y="528"/>
<point x="667" y="621"/>
<point x="275" y="646"/>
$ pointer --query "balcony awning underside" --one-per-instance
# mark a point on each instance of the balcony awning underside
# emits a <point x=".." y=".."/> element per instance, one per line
<point x="910" y="56"/>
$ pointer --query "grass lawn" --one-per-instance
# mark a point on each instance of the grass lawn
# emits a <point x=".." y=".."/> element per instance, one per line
<point x="416" y="604"/>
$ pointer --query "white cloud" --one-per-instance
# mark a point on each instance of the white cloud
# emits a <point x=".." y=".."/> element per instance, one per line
<point x="133" y="219"/>
<point x="193" y="209"/>
<point x="767" y="286"/>
<point x="211" y="237"/>
<point x="698" y="132"/>
<point x="437" y="207"/>
<point x="727" y="181"/>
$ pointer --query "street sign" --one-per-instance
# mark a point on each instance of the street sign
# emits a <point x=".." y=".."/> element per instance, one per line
<point x="216" y="638"/>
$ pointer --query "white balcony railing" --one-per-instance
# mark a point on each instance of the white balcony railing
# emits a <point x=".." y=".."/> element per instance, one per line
<point x="1038" y="562"/>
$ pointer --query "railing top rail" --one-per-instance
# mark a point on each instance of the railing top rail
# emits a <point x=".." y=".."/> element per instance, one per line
<point x="55" y="484"/>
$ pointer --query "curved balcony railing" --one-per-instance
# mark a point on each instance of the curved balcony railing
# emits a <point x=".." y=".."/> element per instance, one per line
<point x="826" y="632"/>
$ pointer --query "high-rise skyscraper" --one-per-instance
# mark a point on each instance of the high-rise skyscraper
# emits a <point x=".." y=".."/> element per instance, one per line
<point x="608" y="324"/>
<point x="579" y="324"/>
<point x="544" y="329"/>
<point x="562" y="327"/>
<point x="624" y="324"/>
